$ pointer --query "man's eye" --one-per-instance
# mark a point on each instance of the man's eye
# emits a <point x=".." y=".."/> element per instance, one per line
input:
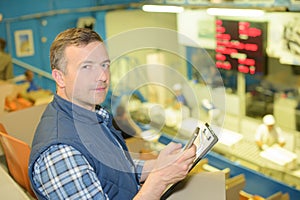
<point x="105" y="65"/>
<point x="86" y="67"/>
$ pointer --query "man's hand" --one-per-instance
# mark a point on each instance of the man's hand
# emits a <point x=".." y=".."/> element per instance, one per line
<point x="172" y="164"/>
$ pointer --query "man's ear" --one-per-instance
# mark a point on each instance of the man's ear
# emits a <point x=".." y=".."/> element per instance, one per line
<point x="58" y="77"/>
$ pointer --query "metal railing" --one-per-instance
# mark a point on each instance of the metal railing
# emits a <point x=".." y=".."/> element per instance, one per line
<point x="32" y="68"/>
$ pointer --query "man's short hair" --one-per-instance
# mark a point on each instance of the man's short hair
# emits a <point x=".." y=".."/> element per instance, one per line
<point x="70" y="37"/>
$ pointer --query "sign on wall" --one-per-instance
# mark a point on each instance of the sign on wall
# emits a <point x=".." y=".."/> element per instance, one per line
<point x="283" y="39"/>
<point x="24" y="43"/>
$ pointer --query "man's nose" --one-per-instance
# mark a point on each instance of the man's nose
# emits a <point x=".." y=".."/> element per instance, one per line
<point x="102" y="75"/>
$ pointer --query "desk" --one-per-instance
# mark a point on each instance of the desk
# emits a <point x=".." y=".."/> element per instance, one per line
<point x="9" y="189"/>
<point x="27" y="120"/>
<point x="204" y="185"/>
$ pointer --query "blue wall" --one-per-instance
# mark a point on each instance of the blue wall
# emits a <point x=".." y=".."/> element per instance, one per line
<point x="46" y="19"/>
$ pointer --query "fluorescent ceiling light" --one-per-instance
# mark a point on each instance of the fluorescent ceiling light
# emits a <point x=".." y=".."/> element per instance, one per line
<point x="235" y="12"/>
<point x="161" y="8"/>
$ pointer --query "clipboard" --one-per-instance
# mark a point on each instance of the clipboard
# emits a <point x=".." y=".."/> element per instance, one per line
<point x="207" y="141"/>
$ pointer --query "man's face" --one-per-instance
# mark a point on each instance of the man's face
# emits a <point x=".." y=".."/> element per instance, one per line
<point x="87" y="75"/>
<point x="270" y="127"/>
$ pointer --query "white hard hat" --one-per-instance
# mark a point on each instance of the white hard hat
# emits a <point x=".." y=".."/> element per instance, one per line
<point x="177" y="87"/>
<point x="269" y="120"/>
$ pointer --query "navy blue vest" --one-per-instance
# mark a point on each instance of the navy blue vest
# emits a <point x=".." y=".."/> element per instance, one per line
<point x="102" y="145"/>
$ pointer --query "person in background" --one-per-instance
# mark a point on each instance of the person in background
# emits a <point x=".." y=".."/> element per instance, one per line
<point x="179" y="95"/>
<point x="268" y="134"/>
<point x="180" y="102"/>
<point x="76" y="152"/>
<point x="29" y="75"/>
<point x="6" y="66"/>
<point x="123" y="123"/>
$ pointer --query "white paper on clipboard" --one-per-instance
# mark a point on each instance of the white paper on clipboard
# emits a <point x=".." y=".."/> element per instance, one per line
<point x="207" y="140"/>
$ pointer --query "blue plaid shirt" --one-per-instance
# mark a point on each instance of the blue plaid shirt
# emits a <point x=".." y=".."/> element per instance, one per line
<point x="62" y="172"/>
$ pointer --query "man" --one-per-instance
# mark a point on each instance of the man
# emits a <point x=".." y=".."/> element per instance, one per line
<point x="267" y="134"/>
<point x="76" y="152"/>
<point x="179" y="95"/>
<point x="123" y="123"/>
<point x="6" y="66"/>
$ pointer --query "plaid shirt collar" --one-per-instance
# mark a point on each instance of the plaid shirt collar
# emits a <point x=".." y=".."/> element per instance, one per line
<point x="103" y="113"/>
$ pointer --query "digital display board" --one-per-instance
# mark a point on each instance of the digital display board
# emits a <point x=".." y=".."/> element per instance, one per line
<point x="241" y="46"/>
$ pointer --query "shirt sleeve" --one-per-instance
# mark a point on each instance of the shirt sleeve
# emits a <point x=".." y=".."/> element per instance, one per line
<point x="62" y="172"/>
<point x="9" y="70"/>
<point x="139" y="165"/>
<point x="259" y="133"/>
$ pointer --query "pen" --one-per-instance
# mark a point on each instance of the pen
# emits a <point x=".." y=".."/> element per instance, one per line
<point x="193" y="138"/>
